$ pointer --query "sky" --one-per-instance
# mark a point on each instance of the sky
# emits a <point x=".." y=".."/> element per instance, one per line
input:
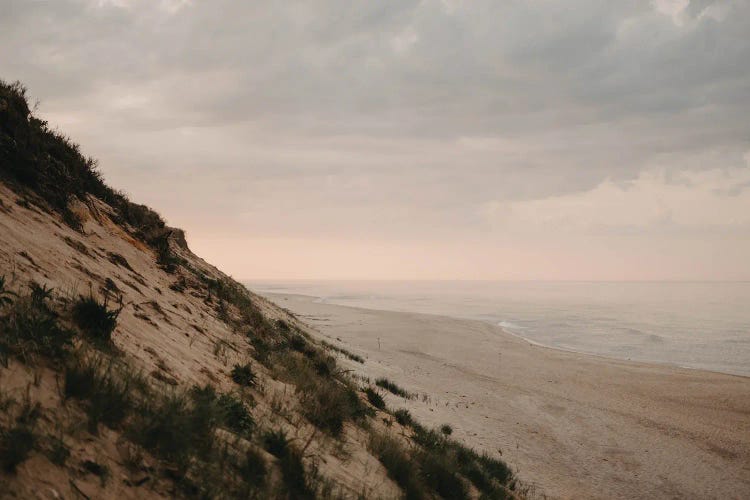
<point x="431" y="139"/>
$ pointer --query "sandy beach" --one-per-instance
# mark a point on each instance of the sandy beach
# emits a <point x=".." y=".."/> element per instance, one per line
<point x="572" y="425"/>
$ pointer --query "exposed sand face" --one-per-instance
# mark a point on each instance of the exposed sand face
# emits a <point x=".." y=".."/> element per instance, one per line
<point x="573" y="425"/>
<point x="171" y="335"/>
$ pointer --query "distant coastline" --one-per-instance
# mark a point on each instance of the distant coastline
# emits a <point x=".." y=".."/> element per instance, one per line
<point x="697" y="327"/>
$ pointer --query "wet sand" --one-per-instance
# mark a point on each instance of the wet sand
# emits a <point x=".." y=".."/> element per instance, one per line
<point x="572" y="425"/>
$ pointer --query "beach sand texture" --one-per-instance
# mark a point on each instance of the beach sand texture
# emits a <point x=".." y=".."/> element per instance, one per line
<point x="573" y="425"/>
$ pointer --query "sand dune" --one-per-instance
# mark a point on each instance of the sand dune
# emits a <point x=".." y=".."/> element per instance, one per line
<point x="576" y="426"/>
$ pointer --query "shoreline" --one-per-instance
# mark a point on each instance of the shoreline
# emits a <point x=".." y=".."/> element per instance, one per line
<point x="633" y="429"/>
<point x="321" y="300"/>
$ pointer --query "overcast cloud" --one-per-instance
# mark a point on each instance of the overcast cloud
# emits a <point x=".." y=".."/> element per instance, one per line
<point x="531" y="139"/>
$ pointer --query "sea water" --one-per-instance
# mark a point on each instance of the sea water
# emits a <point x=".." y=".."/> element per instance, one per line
<point x="704" y="325"/>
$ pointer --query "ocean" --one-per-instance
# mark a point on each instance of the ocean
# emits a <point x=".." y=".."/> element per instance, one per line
<point x="703" y="325"/>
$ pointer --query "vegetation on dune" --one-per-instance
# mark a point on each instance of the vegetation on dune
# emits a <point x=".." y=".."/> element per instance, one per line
<point x="95" y="318"/>
<point x="393" y="388"/>
<point x="243" y="375"/>
<point x="30" y="328"/>
<point x="52" y="166"/>
<point x="374" y="398"/>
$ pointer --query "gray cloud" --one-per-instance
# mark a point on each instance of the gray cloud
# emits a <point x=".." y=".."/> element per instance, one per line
<point x="393" y="119"/>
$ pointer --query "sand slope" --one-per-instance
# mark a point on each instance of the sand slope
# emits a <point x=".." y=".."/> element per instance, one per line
<point x="576" y="426"/>
<point x="172" y="335"/>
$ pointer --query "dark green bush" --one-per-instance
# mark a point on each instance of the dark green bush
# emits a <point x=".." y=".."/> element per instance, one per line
<point x="441" y="474"/>
<point x="95" y="318"/>
<point x="403" y="417"/>
<point x="275" y="443"/>
<point x="105" y="389"/>
<point x="393" y="388"/>
<point x="30" y="328"/>
<point x="399" y="466"/>
<point x="235" y="416"/>
<point x="243" y="375"/>
<point x="374" y="398"/>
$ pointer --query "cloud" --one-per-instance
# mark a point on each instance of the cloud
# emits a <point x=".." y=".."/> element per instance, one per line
<point x="416" y="120"/>
<point x="709" y="201"/>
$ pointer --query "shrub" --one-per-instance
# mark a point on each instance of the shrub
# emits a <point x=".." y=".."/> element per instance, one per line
<point x="282" y="325"/>
<point x="441" y="475"/>
<point x="399" y="465"/>
<point x="374" y="398"/>
<point x="296" y="481"/>
<point x="446" y="429"/>
<point x="327" y="407"/>
<point x="275" y="443"/>
<point x="393" y="388"/>
<point x="162" y="426"/>
<point x="94" y="317"/>
<point x="30" y="328"/>
<point x="235" y="416"/>
<point x="403" y="417"/>
<point x="348" y="354"/>
<point x="299" y="344"/>
<point x="243" y="375"/>
<point x="105" y="388"/>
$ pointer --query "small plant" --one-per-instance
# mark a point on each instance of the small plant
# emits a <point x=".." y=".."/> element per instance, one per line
<point x="403" y="417"/>
<point x="243" y="375"/>
<point x="393" y="388"/>
<point x="440" y="473"/>
<point x="164" y="426"/>
<point x="30" y="328"/>
<point x="282" y="325"/>
<point x="275" y="443"/>
<point x="105" y="388"/>
<point x="95" y="318"/>
<point x="399" y="465"/>
<point x="235" y="415"/>
<point x="374" y="398"/>
<point x="39" y="294"/>
<point x="298" y="343"/>
<point x="446" y="429"/>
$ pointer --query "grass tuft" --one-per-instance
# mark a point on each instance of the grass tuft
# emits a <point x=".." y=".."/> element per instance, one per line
<point x="30" y="328"/>
<point x="391" y="387"/>
<point x="103" y="386"/>
<point x="374" y="398"/>
<point x="243" y="375"/>
<point x="275" y="443"/>
<point x="95" y="318"/>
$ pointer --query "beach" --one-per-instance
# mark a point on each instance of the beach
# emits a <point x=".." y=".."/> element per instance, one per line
<point x="571" y="425"/>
